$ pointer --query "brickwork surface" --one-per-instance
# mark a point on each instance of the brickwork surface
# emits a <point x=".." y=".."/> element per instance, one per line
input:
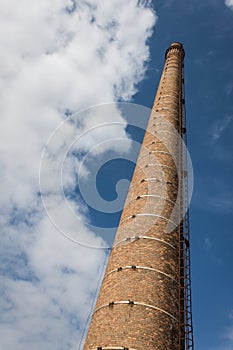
<point x="142" y="276"/>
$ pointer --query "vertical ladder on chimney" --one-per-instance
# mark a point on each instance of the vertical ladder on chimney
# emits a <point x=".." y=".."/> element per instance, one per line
<point x="186" y="323"/>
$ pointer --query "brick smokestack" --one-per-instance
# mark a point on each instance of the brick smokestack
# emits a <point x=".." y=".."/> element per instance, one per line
<point x="139" y="306"/>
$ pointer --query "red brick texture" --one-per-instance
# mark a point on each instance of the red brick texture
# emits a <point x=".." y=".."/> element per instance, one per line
<point x="138" y="304"/>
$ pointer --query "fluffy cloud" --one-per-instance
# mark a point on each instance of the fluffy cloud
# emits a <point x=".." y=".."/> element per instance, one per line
<point x="58" y="56"/>
<point x="229" y="3"/>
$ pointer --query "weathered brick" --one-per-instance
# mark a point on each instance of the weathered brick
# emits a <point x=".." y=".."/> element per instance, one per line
<point x="153" y="281"/>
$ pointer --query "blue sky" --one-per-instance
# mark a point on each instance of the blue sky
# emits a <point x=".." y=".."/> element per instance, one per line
<point x="206" y="30"/>
<point x="56" y="60"/>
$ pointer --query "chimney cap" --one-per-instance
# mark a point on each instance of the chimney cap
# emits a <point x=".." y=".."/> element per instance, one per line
<point x="177" y="45"/>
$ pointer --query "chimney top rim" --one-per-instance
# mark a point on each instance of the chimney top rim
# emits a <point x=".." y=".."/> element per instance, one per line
<point x="176" y="43"/>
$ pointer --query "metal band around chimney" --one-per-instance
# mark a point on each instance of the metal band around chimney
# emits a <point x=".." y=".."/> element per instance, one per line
<point x="163" y="122"/>
<point x="162" y="165"/>
<point x="159" y="102"/>
<point x="155" y="195"/>
<point x="151" y="152"/>
<point x="148" y="214"/>
<point x="130" y="302"/>
<point x="154" y="164"/>
<point x="159" y="180"/>
<point x="130" y="238"/>
<point x="172" y="90"/>
<point x="152" y="178"/>
<point x="140" y="268"/>
<point x="151" y="195"/>
<point x="156" y="215"/>
<point x="167" y="96"/>
<point x="158" y="109"/>
<point x="169" y="132"/>
<point x="172" y="66"/>
<point x="164" y="115"/>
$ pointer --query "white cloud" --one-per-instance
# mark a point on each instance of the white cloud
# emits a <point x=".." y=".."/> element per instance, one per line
<point x="219" y="127"/>
<point x="57" y="56"/>
<point x="229" y="3"/>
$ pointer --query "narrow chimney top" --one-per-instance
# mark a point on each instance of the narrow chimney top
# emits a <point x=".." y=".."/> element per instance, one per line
<point x="176" y="45"/>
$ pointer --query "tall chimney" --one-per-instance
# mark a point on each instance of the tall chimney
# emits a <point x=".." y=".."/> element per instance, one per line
<point x="142" y="302"/>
